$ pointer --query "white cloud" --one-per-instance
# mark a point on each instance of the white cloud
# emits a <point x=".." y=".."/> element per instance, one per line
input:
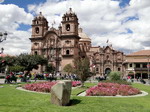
<point x="100" y="19"/>
<point x="11" y="16"/>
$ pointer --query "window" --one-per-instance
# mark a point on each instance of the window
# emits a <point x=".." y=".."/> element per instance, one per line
<point x="67" y="52"/>
<point x="37" y="22"/>
<point x="68" y="27"/>
<point x="68" y="18"/>
<point x="35" y="53"/>
<point x="118" y="69"/>
<point x="130" y="64"/>
<point x="107" y="57"/>
<point x="144" y="65"/>
<point x="97" y="69"/>
<point x="137" y="65"/>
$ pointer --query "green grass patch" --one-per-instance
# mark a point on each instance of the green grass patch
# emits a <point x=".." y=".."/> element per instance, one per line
<point x="13" y="100"/>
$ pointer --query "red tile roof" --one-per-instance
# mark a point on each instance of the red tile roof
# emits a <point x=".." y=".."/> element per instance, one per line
<point x="140" y="53"/>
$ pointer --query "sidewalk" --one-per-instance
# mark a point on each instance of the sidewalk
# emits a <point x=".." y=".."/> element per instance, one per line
<point x="3" y="80"/>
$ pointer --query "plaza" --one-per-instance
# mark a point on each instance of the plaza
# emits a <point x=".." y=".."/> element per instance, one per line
<point x="68" y="56"/>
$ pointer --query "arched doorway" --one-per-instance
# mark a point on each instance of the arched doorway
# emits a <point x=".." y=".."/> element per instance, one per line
<point x="107" y="71"/>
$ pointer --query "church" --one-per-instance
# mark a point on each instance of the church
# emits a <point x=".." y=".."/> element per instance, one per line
<point x="61" y="46"/>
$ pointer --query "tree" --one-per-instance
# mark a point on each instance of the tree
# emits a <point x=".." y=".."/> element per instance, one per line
<point x="68" y="68"/>
<point x="50" y="68"/>
<point x="16" y="68"/>
<point x="30" y="62"/>
<point x="82" y="69"/>
<point x="7" y="62"/>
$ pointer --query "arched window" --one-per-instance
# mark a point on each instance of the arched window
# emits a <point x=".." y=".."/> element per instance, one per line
<point x="68" y="18"/>
<point x="68" y="27"/>
<point x="37" y="22"/>
<point x="67" y="52"/>
<point x="107" y="57"/>
<point x="118" y="69"/>
<point x="37" y="30"/>
<point x="97" y="70"/>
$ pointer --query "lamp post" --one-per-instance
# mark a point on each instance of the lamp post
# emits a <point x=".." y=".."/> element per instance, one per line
<point x="3" y="37"/>
<point x="2" y="49"/>
<point x="148" y="66"/>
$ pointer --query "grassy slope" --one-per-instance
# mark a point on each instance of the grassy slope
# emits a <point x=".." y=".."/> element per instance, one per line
<point x="12" y="100"/>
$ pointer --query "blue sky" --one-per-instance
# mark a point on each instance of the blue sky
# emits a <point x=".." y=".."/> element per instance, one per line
<point x="24" y="4"/>
<point x="124" y="22"/>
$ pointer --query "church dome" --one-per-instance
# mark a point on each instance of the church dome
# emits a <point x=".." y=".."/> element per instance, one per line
<point x="83" y="36"/>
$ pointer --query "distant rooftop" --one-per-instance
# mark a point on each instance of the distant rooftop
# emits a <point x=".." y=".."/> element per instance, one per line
<point x="140" y="53"/>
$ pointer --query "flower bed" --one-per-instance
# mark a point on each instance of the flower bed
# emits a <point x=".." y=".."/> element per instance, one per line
<point x="76" y="83"/>
<point x="112" y="89"/>
<point x="45" y="86"/>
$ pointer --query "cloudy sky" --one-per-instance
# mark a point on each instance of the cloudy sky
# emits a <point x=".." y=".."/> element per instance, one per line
<point x="125" y="23"/>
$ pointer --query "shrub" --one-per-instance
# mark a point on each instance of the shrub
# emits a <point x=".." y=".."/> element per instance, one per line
<point x="115" y="76"/>
<point x="112" y="89"/>
<point x="117" y="81"/>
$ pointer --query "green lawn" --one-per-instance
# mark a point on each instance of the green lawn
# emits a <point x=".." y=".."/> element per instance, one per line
<point x="13" y="100"/>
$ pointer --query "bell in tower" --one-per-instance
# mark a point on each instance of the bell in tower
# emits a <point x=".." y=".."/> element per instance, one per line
<point x="70" y="23"/>
<point x="39" y="26"/>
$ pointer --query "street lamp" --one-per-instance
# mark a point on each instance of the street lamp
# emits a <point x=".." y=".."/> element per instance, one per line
<point x="2" y="49"/>
<point x="3" y="36"/>
<point x="148" y="66"/>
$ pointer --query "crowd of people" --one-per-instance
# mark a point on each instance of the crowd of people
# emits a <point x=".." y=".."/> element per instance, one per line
<point x="27" y="76"/>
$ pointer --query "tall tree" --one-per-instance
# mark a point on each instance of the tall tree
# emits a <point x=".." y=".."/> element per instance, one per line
<point x="82" y="69"/>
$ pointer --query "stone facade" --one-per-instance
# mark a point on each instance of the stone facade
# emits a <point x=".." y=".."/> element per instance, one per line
<point x="61" y="46"/>
<point x="106" y="59"/>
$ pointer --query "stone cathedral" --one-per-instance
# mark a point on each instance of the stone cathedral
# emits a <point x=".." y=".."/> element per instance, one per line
<point x="61" y="46"/>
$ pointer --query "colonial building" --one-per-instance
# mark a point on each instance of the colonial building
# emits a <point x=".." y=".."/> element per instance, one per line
<point x="106" y="59"/>
<point x="137" y="64"/>
<point x="60" y="46"/>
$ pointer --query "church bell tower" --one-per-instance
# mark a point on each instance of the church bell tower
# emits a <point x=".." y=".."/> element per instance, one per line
<point x="39" y="26"/>
<point x="69" y="38"/>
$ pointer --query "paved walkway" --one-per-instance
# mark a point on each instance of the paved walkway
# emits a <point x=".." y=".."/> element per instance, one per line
<point x="3" y="80"/>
